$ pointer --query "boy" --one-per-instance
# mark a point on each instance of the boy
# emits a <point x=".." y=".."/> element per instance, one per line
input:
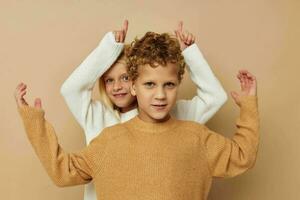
<point x="152" y="156"/>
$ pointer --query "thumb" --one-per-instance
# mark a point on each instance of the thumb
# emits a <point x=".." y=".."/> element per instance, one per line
<point x="236" y="97"/>
<point x="37" y="103"/>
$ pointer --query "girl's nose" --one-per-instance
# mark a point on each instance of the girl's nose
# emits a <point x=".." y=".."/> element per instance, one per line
<point x="117" y="86"/>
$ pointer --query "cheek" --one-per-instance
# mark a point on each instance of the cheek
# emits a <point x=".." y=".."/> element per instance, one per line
<point x="172" y="94"/>
<point x="127" y="85"/>
<point x="143" y="95"/>
<point x="108" y="88"/>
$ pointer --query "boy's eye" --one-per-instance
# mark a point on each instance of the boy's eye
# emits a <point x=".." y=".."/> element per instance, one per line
<point x="125" y="78"/>
<point x="170" y="85"/>
<point x="149" y="84"/>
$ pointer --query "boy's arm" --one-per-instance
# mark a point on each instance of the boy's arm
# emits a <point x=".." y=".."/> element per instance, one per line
<point x="231" y="157"/>
<point x="210" y="93"/>
<point x="77" y="89"/>
<point x="65" y="169"/>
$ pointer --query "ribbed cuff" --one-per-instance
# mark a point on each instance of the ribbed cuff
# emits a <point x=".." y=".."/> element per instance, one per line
<point x="249" y="107"/>
<point x="30" y="113"/>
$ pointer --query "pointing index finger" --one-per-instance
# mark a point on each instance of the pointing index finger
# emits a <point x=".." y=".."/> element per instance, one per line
<point x="125" y="26"/>
<point x="180" y="26"/>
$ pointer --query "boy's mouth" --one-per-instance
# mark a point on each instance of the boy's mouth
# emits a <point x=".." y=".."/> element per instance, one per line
<point x="159" y="106"/>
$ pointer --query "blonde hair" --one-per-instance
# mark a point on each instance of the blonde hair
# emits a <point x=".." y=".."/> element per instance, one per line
<point x="102" y="91"/>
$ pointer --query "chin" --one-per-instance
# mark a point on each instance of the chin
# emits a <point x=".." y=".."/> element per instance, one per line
<point x="160" y="117"/>
<point x="120" y="105"/>
<point x="124" y="104"/>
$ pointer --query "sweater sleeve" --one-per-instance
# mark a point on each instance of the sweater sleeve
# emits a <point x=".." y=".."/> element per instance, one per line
<point x="210" y="93"/>
<point x="77" y="89"/>
<point x="231" y="157"/>
<point x="65" y="169"/>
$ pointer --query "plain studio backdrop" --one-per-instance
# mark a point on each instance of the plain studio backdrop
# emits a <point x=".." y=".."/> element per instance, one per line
<point x="42" y="42"/>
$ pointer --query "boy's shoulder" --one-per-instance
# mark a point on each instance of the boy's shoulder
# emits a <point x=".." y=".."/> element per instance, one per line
<point x="109" y="134"/>
<point x="114" y="131"/>
<point x="122" y="128"/>
<point x="192" y="128"/>
<point x="190" y="125"/>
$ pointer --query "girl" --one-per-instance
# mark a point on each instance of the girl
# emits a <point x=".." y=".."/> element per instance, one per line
<point x="117" y="105"/>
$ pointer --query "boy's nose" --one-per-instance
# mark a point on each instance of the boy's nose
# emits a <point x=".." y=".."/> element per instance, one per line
<point x="160" y="93"/>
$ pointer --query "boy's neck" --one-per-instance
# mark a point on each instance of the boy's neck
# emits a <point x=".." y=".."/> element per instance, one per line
<point x="151" y="128"/>
<point x="148" y="119"/>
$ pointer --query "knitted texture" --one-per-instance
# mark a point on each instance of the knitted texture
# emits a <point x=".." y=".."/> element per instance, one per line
<point x="150" y="161"/>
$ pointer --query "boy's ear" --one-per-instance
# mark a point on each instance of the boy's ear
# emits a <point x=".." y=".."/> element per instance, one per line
<point x="132" y="90"/>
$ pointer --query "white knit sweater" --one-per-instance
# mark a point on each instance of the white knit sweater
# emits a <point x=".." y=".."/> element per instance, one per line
<point x="93" y="116"/>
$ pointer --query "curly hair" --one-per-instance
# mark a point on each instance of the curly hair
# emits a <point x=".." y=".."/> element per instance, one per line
<point x="154" y="49"/>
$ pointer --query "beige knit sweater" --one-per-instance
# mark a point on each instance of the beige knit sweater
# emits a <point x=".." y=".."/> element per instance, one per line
<point x="148" y="161"/>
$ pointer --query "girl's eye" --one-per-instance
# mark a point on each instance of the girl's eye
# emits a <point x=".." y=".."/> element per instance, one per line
<point x="109" y="80"/>
<point x="125" y="78"/>
<point x="170" y="85"/>
<point x="149" y="84"/>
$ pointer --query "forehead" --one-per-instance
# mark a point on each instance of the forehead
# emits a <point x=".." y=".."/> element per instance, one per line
<point x="170" y="71"/>
<point x="116" y="69"/>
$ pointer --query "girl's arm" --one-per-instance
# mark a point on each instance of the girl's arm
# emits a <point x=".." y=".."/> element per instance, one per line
<point x="77" y="89"/>
<point x="210" y="93"/>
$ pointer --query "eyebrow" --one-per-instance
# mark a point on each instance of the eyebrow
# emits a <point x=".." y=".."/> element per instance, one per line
<point x="105" y="76"/>
<point x="151" y="80"/>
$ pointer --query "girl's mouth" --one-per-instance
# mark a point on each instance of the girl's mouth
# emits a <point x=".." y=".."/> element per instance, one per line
<point x="119" y="95"/>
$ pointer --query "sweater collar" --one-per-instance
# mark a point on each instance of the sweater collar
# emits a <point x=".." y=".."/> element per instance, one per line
<point x="142" y="126"/>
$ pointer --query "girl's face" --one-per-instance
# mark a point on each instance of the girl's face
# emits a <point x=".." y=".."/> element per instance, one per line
<point x="117" y="86"/>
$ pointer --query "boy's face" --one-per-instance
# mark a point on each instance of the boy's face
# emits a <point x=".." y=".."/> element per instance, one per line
<point x="156" y="91"/>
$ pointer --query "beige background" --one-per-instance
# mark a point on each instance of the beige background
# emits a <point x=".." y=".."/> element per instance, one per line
<point x="42" y="43"/>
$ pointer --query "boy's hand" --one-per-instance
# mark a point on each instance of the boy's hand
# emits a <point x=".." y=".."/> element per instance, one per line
<point x="184" y="37"/>
<point x="248" y="86"/>
<point x="19" y="94"/>
<point x="120" y="35"/>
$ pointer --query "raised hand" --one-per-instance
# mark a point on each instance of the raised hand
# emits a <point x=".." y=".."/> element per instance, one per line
<point x="120" y="35"/>
<point x="248" y="86"/>
<point x="19" y="94"/>
<point x="184" y="37"/>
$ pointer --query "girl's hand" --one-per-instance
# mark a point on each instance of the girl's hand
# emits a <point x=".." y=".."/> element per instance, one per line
<point x="120" y="35"/>
<point x="19" y="94"/>
<point x="248" y="86"/>
<point x="184" y="37"/>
